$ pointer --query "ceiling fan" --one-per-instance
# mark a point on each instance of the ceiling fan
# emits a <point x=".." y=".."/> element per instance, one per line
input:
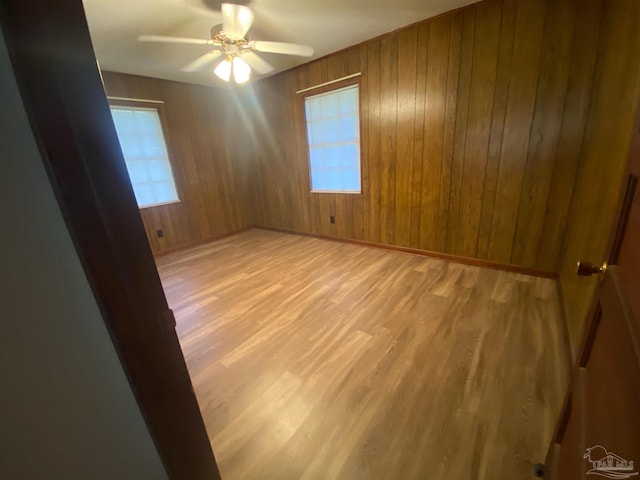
<point x="231" y="43"/>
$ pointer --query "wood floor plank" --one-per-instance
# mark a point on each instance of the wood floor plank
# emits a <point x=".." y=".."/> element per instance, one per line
<point x="316" y="359"/>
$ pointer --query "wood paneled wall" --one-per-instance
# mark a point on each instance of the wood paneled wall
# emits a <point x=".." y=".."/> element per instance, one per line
<point x="209" y="165"/>
<point x="602" y="161"/>
<point x="471" y="130"/>
<point x="498" y="131"/>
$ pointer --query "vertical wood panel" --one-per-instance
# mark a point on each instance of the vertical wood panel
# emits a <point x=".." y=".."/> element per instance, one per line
<point x="546" y="128"/>
<point x="319" y="214"/>
<point x="485" y="58"/>
<point x="583" y="59"/>
<point x="500" y="96"/>
<point x="292" y="149"/>
<point x="374" y="104"/>
<point x="453" y="209"/>
<point x="442" y="176"/>
<point x="388" y="140"/>
<point x="182" y="131"/>
<point x="407" y="41"/>
<point x="422" y="63"/>
<point x="436" y="101"/>
<point x="520" y="104"/>
<point x="302" y="197"/>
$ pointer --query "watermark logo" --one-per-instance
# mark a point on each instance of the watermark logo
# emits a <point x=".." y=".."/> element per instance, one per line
<point x="608" y="464"/>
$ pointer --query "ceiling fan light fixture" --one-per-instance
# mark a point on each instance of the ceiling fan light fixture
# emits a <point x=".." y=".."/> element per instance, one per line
<point x="229" y="39"/>
<point x="241" y="70"/>
<point x="223" y="70"/>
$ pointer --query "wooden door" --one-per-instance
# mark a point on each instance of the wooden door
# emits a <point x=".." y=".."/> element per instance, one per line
<point x="598" y="435"/>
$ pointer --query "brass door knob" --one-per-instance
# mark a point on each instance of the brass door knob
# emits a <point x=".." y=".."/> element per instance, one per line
<point x="586" y="269"/>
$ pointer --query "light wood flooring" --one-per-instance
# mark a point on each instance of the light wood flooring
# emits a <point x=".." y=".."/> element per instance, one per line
<point x="314" y="359"/>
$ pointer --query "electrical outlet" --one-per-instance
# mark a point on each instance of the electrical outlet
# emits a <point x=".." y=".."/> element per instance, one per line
<point x="160" y="233"/>
<point x="332" y="219"/>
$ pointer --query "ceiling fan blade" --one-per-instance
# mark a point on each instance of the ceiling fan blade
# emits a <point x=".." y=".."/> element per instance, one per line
<point x="256" y="62"/>
<point x="236" y="20"/>
<point x="164" y="39"/>
<point x="284" y="48"/>
<point x="201" y="62"/>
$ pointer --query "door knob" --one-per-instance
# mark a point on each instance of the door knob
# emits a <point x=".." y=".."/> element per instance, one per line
<point x="586" y="269"/>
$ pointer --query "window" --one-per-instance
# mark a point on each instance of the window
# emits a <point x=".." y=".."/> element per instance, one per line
<point x="145" y="152"/>
<point x="333" y="133"/>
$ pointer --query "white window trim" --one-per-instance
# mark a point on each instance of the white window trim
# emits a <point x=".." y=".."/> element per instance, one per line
<point x="154" y="105"/>
<point x="160" y="204"/>
<point x="346" y="192"/>
<point x="333" y="90"/>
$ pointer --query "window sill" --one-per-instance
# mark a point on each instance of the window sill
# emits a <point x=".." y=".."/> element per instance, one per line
<point x="343" y="192"/>
<point x="161" y="204"/>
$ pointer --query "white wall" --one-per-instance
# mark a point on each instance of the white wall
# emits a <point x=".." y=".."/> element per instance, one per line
<point x="66" y="409"/>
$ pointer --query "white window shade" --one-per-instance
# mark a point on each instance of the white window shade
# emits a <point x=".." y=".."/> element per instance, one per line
<point x="145" y="153"/>
<point x="333" y="133"/>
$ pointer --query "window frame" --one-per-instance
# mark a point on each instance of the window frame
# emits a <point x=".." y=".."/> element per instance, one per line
<point x="348" y="82"/>
<point x="156" y="105"/>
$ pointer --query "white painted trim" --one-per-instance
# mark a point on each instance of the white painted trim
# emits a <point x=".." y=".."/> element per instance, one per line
<point x="348" y="192"/>
<point x="160" y="102"/>
<point x="150" y="205"/>
<point x="329" y="83"/>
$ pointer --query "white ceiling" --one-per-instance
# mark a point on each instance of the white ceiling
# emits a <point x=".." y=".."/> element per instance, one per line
<point x="326" y="25"/>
